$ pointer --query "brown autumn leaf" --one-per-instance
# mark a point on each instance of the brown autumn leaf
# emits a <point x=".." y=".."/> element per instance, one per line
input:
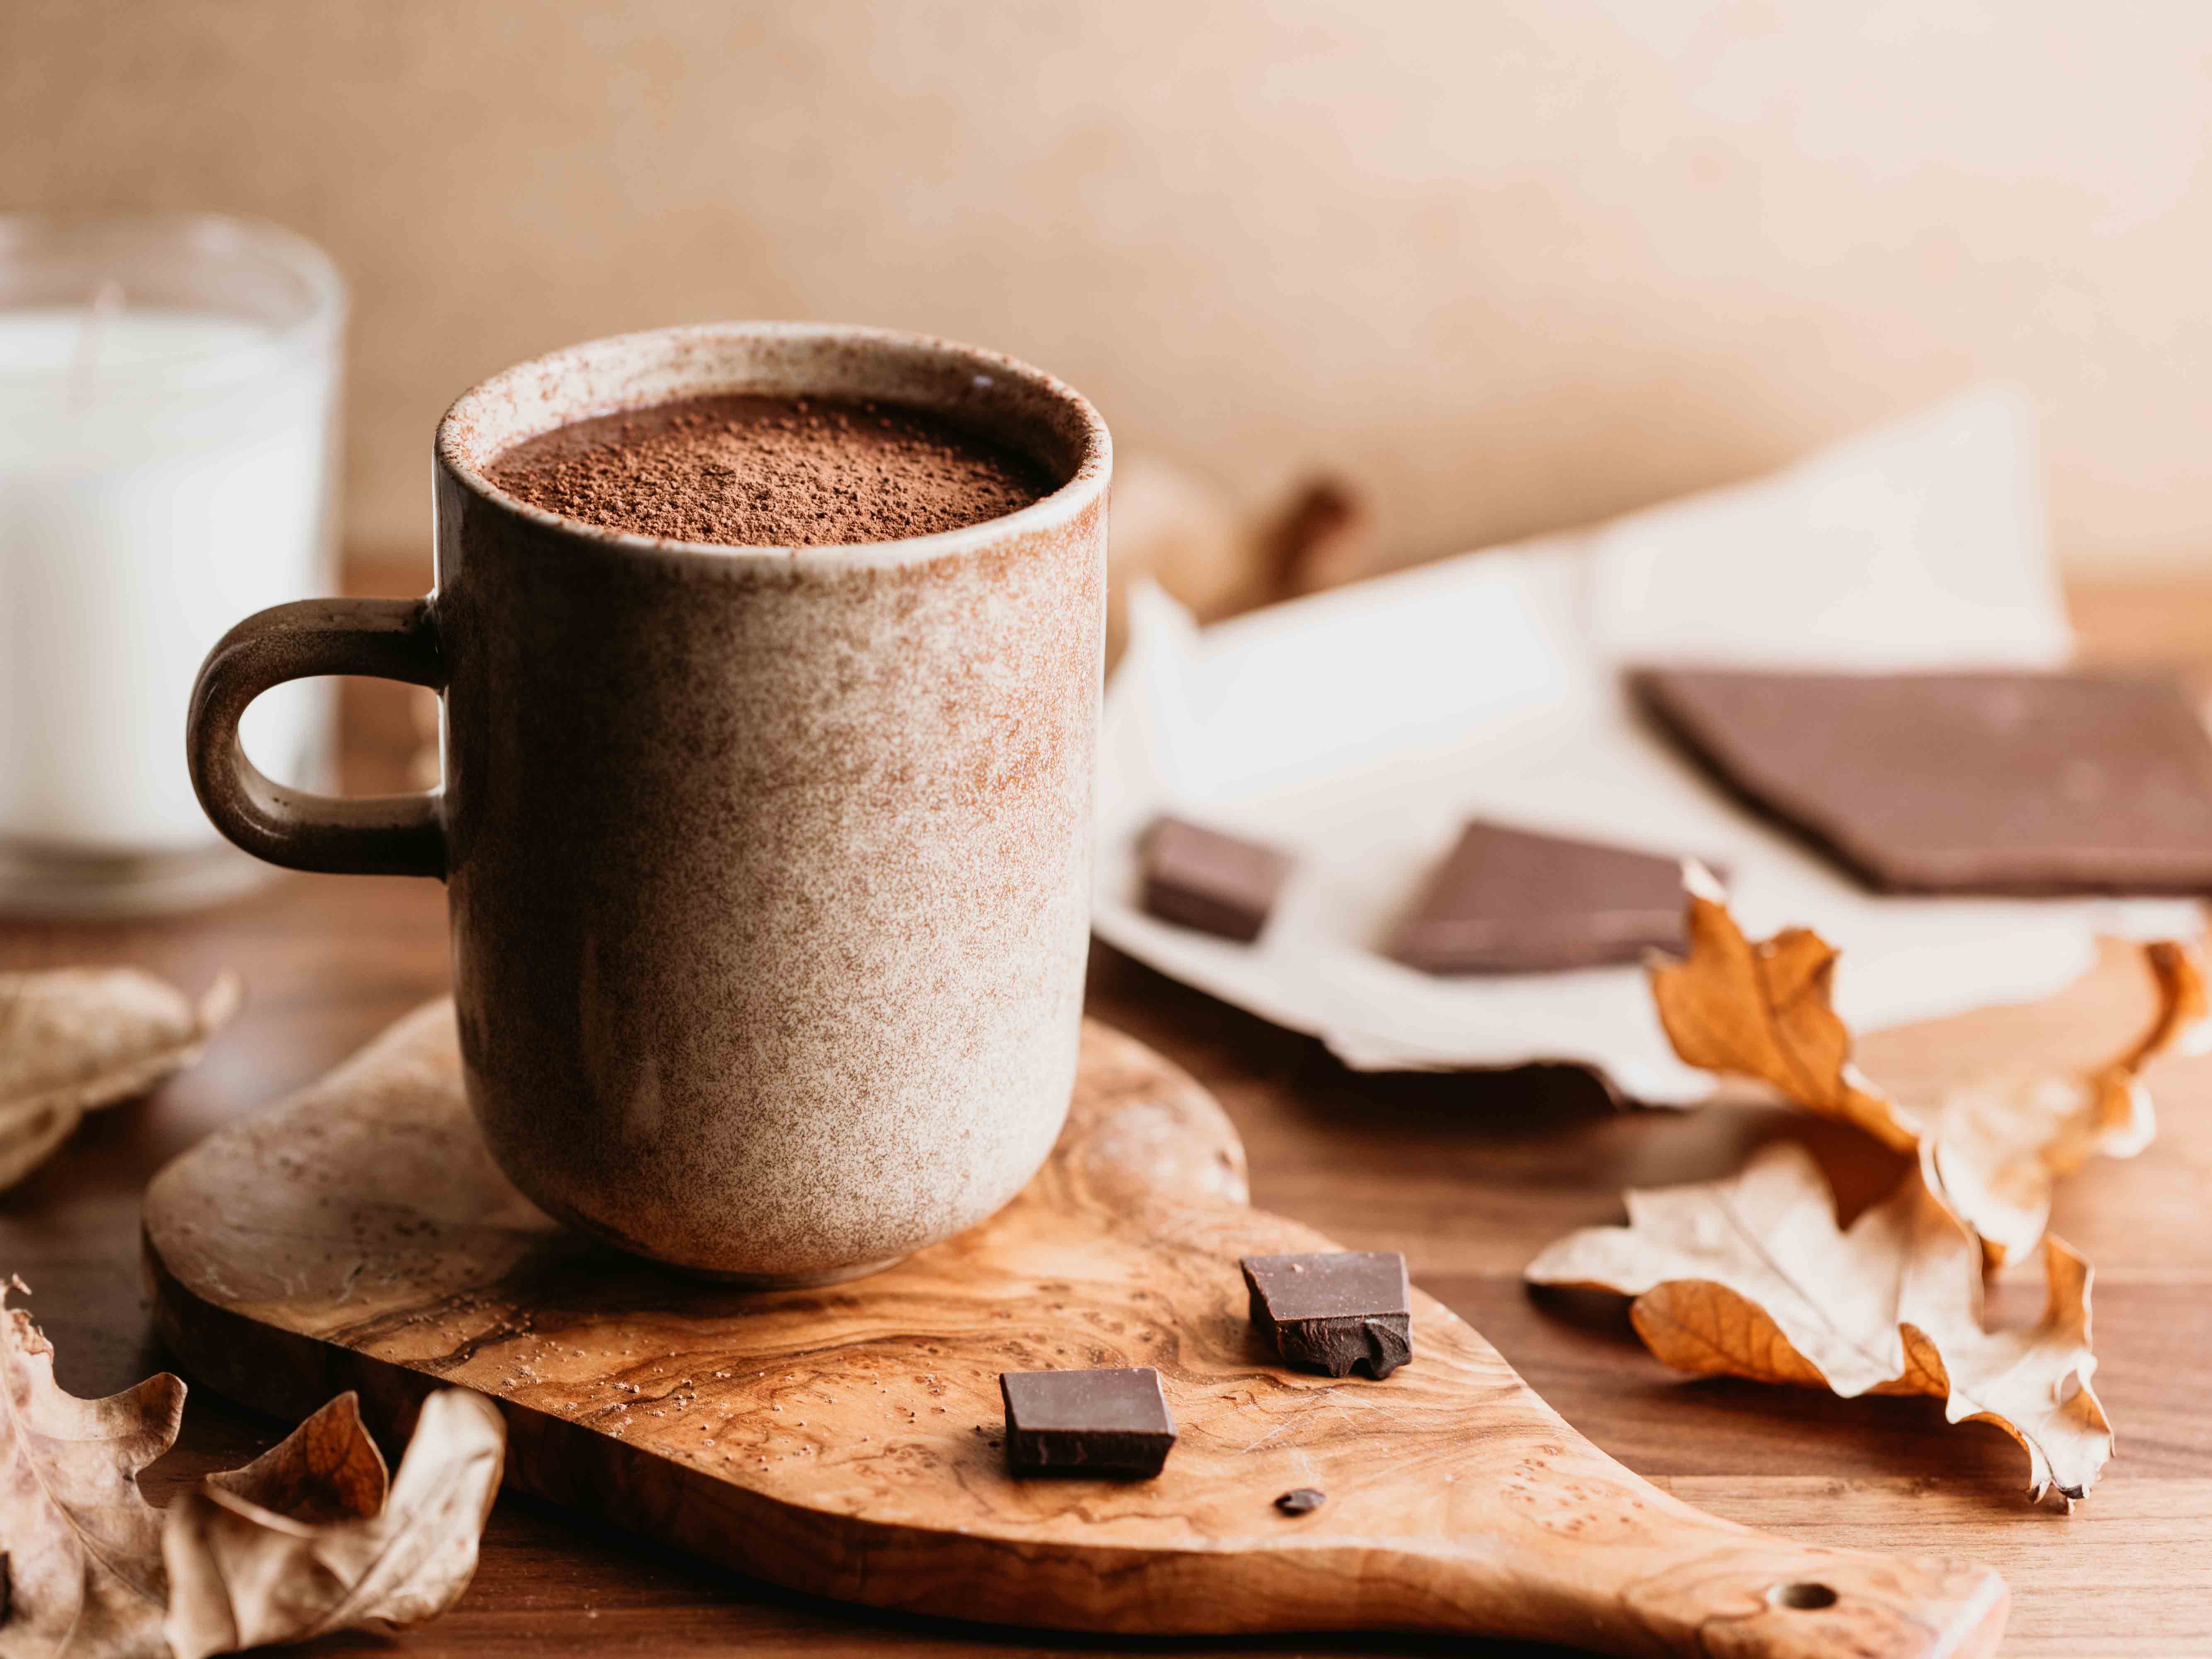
<point x="1178" y="528"/>
<point x="73" y="1040"/>
<point x="1188" y="534"/>
<point x="2000" y="1141"/>
<point x="1751" y="1277"/>
<point x="308" y="1539"/>
<point x="84" y="1547"/>
<point x="1325" y="534"/>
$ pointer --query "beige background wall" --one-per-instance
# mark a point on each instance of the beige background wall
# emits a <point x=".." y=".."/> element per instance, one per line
<point x="1516" y="264"/>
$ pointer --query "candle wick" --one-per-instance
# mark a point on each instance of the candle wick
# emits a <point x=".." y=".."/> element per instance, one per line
<point x="105" y="304"/>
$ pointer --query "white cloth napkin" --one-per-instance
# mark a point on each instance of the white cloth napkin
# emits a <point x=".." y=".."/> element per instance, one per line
<point x="1359" y="729"/>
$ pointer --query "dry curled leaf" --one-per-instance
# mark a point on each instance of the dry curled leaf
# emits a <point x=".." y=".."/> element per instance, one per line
<point x="84" y="1547"/>
<point x="1325" y="535"/>
<point x="1181" y="529"/>
<point x="76" y="1039"/>
<point x="1751" y="1277"/>
<point x="305" y="1540"/>
<point x="1187" y="534"/>
<point x="1999" y="1141"/>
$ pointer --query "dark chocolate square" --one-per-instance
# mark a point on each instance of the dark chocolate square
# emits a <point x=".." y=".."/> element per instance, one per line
<point x="1512" y="900"/>
<point x="1962" y="782"/>
<point x="1112" y="1422"/>
<point x="1201" y="877"/>
<point x="1334" y="1312"/>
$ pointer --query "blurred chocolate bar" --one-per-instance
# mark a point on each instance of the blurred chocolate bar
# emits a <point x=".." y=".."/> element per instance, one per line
<point x="1962" y="782"/>
<point x="1511" y="900"/>
<point x="1202" y="879"/>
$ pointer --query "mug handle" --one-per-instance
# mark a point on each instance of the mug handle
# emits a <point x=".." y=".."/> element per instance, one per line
<point x="370" y="836"/>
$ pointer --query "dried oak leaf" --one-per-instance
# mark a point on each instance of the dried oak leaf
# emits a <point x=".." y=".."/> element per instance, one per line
<point x="308" y="1539"/>
<point x="2000" y="1141"/>
<point x="1750" y="1277"/>
<point x="76" y="1039"/>
<point x="1325" y="535"/>
<point x="84" y="1547"/>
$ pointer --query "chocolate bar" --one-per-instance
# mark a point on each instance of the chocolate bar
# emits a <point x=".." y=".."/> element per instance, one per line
<point x="1512" y="901"/>
<point x="1334" y="1312"/>
<point x="1962" y="782"/>
<point x="1112" y="1422"/>
<point x="1202" y="879"/>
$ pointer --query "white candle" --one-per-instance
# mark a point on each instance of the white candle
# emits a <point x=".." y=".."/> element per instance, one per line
<point x="163" y="472"/>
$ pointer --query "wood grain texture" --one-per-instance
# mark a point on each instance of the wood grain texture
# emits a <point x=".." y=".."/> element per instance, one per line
<point x="2085" y="1597"/>
<point x="845" y="1441"/>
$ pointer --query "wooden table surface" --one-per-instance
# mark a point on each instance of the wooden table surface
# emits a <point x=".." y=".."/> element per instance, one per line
<point x="1467" y="1174"/>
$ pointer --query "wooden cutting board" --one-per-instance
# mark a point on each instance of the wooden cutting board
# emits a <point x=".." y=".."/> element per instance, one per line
<point x="845" y="1441"/>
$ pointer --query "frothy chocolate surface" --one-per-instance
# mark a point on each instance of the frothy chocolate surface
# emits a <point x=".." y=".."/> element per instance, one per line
<point x="749" y="471"/>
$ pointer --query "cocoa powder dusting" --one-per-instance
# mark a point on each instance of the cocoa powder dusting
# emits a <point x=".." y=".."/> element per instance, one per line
<point x="749" y="471"/>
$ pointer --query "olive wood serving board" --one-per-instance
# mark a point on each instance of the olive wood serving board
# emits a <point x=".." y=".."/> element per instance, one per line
<point x="845" y="1441"/>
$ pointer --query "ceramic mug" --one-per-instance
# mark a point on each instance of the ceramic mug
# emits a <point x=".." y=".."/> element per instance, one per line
<point x="767" y="869"/>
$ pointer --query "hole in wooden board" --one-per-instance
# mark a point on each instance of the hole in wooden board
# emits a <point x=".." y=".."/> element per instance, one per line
<point x="1803" y="1597"/>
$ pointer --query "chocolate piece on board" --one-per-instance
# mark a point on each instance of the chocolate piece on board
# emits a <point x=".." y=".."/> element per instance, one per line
<point x="1962" y="783"/>
<point x="1301" y="1500"/>
<point x="1202" y="879"/>
<point x="1334" y="1312"/>
<point x="1512" y="900"/>
<point x="1110" y="1422"/>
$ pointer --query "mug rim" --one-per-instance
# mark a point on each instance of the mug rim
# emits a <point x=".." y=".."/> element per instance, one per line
<point x="1094" y="464"/>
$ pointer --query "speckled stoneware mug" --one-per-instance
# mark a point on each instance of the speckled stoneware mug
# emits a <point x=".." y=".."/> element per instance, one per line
<point x="768" y="870"/>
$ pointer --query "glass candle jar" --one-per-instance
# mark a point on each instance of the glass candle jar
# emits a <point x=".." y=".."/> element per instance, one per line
<point x="168" y="388"/>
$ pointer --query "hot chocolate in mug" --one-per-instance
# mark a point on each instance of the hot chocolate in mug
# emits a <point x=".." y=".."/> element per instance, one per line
<point x="767" y="869"/>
